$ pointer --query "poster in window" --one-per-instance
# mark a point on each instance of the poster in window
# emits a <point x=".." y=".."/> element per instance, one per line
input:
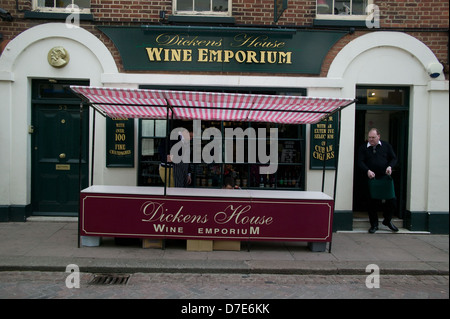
<point x="119" y="142"/>
<point x="323" y="143"/>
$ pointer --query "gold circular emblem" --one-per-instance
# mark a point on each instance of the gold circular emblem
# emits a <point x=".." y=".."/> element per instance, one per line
<point x="58" y="57"/>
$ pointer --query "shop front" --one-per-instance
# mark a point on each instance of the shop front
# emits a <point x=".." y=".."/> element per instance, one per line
<point x="202" y="214"/>
<point x="258" y="61"/>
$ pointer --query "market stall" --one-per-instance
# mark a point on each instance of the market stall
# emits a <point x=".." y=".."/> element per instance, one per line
<point x="207" y="214"/>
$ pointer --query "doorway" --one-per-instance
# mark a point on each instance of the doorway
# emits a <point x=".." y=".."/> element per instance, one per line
<point x="55" y="148"/>
<point x="387" y="109"/>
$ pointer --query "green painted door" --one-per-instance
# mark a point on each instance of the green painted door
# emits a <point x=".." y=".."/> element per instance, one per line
<point x="56" y="154"/>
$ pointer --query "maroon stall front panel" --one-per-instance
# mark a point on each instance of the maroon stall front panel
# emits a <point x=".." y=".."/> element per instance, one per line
<point x="219" y="218"/>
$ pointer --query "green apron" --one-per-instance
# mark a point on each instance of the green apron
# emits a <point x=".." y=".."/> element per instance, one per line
<point x="382" y="188"/>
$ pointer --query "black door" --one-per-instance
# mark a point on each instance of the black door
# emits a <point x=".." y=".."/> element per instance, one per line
<point x="56" y="150"/>
<point x="398" y="123"/>
<point x="385" y="109"/>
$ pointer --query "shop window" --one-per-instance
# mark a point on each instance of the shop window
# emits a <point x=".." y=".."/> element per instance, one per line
<point x="342" y="9"/>
<point x="202" y="7"/>
<point x="62" y="6"/>
<point x="243" y="168"/>
<point x="382" y="96"/>
<point x="151" y="133"/>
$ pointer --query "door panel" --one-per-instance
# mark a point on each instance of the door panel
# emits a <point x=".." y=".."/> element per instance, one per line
<point x="399" y="141"/>
<point x="56" y="147"/>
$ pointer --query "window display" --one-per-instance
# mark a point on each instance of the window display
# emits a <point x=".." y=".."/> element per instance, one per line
<point x="242" y="167"/>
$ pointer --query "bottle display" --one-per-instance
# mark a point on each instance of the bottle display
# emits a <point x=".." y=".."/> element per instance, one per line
<point x="245" y="175"/>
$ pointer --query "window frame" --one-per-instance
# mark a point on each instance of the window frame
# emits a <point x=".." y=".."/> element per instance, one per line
<point x="332" y="16"/>
<point x="201" y="13"/>
<point x="36" y="7"/>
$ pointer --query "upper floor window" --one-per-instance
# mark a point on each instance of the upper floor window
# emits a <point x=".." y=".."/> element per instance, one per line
<point x="62" y="5"/>
<point x="342" y="9"/>
<point x="202" y="7"/>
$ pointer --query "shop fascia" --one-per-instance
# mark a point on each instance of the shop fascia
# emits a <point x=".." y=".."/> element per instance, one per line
<point x="215" y="146"/>
<point x="222" y="49"/>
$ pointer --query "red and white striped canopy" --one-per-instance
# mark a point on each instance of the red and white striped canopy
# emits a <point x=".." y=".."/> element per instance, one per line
<point x="190" y="105"/>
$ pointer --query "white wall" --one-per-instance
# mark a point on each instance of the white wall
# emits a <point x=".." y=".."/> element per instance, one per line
<point x="397" y="59"/>
<point x="24" y="59"/>
<point x="379" y="58"/>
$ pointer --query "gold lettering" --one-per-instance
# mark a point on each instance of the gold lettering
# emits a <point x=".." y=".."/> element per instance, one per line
<point x="240" y="56"/>
<point x="176" y="55"/>
<point x="154" y="54"/>
<point x="120" y="147"/>
<point x="262" y="41"/>
<point x="165" y="39"/>
<point x="202" y="55"/>
<point x="166" y="55"/>
<point x="285" y="58"/>
<point x="187" y="55"/>
<point x="262" y="57"/>
<point x="251" y="57"/>
<point x="271" y="57"/>
<point x="215" y="56"/>
<point x="228" y="55"/>
<point x="220" y="56"/>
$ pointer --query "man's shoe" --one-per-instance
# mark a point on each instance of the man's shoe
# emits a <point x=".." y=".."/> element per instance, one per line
<point x="373" y="229"/>
<point x="390" y="226"/>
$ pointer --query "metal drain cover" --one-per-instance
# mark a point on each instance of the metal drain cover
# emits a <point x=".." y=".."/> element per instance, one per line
<point x="110" y="279"/>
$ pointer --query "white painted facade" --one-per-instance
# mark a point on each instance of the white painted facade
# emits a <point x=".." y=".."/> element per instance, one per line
<point x="378" y="58"/>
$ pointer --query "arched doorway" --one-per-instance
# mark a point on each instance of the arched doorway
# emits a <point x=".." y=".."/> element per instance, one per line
<point x="390" y="60"/>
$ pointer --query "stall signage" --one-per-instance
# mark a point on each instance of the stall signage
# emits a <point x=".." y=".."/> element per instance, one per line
<point x="221" y="49"/>
<point x="323" y="144"/>
<point x="119" y="142"/>
<point x="205" y="218"/>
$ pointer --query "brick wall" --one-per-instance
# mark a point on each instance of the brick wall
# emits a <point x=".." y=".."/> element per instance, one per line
<point x="129" y="10"/>
<point x="393" y="14"/>
<point x="414" y="13"/>
<point x="427" y="20"/>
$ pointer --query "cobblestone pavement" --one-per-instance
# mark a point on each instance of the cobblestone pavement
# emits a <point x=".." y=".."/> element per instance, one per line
<point x="38" y="285"/>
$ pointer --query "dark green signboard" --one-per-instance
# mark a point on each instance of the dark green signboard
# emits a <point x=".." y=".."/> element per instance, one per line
<point x="119" y="142"/>
<point x="210" y="49"/>
<point x="323" y="143"/>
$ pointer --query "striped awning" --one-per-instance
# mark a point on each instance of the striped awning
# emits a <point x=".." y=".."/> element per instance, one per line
<point x="190" y="105"/>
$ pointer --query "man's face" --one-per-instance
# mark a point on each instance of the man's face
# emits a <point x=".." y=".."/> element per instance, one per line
<point x="374" y="138"/>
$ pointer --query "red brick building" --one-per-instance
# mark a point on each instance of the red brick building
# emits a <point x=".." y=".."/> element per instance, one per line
<point x="390" y="55"/>
<point x="427" y="21"/>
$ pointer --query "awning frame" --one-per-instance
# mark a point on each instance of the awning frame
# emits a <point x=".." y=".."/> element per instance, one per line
<point x="171" y="110"/>
<point x="248" y="107"/>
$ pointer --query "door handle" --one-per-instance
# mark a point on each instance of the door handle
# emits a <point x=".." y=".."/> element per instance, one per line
<point x="62" y="155"/>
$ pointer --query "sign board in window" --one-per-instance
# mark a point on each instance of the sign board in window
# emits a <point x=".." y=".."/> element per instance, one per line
<point x="323" y="143"/>
<point x="119" y="142"/>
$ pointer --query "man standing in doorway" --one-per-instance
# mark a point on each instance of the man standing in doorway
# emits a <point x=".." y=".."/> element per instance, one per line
<point x="376" y="159"/>
<point x="173" y="159"/>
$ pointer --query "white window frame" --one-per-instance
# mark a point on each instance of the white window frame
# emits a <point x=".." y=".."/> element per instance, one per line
<point x="201" y="13"/>
<point x="332" y="16"/>
<point x="38" y="8"/>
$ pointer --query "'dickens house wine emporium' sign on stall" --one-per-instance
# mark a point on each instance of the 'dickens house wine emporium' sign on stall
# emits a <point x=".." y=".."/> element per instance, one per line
<point x="119" y="142"/>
